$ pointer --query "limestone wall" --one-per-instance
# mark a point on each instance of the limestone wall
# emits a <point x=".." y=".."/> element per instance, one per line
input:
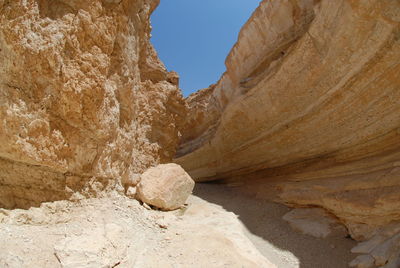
<point x="83" y="97"/>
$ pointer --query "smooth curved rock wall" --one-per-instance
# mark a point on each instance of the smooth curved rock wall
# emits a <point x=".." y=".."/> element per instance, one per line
<point x="309" y="106"/>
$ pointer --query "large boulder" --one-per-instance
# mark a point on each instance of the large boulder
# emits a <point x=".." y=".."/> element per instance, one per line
<point x="165" y="186"/>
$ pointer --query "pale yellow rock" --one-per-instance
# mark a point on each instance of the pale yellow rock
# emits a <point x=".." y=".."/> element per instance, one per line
<point x="307" y="112"/>
<point x="308" y="106"/>
<point x="166" y="186"/>
<point x="82" y="93"/>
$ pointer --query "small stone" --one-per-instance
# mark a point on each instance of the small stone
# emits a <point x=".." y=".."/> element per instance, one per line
<point x="131" y="192"/>
<point x="162" y="224"/>
<point x="146" y="206"/>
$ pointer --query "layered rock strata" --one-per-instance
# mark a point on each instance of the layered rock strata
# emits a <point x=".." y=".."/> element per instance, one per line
<point x="310" y="106"/>
<point x="84" y="99"/>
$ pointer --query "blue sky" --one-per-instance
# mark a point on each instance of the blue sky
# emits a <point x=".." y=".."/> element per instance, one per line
<point x="193" y="37"/>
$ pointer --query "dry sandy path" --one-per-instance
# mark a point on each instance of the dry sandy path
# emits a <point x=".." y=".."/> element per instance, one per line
<point x="273" y="237"/>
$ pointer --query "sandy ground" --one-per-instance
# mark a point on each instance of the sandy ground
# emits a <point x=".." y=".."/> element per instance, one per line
<point x="119" y="232"/>
<point x="273" y="237"/>
<point x="206" y="233"/>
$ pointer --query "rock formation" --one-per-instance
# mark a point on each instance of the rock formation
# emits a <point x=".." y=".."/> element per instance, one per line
<point x="84" y="100"/>
<point x="306" y="114"/>
<point x="309" y="106"/>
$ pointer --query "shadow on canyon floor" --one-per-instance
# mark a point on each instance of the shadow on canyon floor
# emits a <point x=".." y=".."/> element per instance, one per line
<point x="274" y="238"/>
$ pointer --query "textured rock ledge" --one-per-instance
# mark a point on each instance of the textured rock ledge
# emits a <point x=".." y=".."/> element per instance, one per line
<point x="308" y="111"/>
<point x="83" y="97"/>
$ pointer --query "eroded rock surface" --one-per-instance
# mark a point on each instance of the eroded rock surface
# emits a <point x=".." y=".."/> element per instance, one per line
<point x="308" y="106"/>
<point x="84" y="99"/>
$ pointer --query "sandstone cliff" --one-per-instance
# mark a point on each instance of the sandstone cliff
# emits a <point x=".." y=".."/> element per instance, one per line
<point x="309" y="106"/>
<point x="84" y="99"/>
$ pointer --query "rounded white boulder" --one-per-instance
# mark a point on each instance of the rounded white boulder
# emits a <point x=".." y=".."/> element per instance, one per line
<point x="166" y="186"/>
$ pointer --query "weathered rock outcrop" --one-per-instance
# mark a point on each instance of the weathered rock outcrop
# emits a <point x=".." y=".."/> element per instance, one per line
<point x="310" y="105"/>
<point x="84" y="99"/>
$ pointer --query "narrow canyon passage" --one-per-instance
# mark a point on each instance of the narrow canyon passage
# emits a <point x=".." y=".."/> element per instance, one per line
<point x="99" y="149"/>
<point x="273" y="237"/>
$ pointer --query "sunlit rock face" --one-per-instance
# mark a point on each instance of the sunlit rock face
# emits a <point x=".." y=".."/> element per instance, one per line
<point x="309" y="105"/>
<point x="83" y="98"/>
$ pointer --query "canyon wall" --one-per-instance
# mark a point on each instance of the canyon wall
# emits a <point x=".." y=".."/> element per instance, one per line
<point x="309" y="106"/>
<point x="85" y="103"/>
